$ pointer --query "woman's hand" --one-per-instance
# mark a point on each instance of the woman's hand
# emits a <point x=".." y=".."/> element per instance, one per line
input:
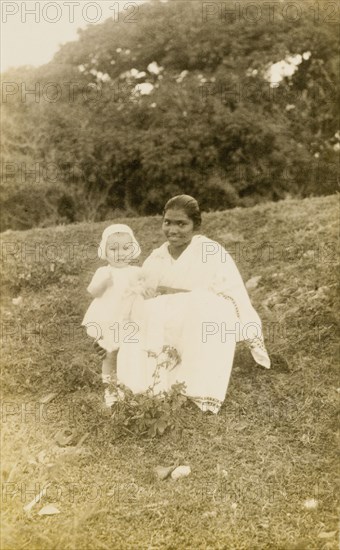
<point x="149" y="292"/>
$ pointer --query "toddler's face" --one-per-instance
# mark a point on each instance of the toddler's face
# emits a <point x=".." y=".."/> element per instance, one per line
<point x="119" y="249"/>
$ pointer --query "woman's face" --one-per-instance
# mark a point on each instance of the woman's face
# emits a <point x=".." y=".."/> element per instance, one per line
<point x="178" y="228"/>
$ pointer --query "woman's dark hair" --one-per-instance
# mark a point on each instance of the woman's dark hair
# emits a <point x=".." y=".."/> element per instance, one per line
<point x="189" y="205"/>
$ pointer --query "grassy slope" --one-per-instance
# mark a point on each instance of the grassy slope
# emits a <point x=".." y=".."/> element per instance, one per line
<point x="253" y="466"/>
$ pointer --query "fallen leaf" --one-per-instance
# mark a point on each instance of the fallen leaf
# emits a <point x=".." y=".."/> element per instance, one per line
<point x="241" y="427"/>
<point x="65" y="437"/>
<point x="82" y="439"/>
<point x="48" y="510"/>
<point x="41" y="457"/>
<point x="17" y="301"/>
<point x="324" y="535"/>
<point x="253" y="282"/>
<point x="212" y="514"/>
<point x="309" y="254"/>
<point x="12" y="472"/>
<point x="157" y="504"/>
<point x="28" y="507"/>
<point x="48" y="398"/>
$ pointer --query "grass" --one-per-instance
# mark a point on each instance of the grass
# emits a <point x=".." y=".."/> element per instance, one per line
<point x="264" y="470"/>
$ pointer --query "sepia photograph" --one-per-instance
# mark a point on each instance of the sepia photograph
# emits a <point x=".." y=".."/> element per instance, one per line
<point x="169" y="274"/>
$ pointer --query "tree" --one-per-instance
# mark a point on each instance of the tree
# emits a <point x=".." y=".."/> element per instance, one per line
<point x="179" y="101"/>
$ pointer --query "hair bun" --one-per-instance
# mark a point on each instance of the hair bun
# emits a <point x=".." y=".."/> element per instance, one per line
<point x="189" y="205"/>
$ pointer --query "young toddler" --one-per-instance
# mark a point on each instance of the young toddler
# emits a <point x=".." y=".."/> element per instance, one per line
<point x="116" y="306"/>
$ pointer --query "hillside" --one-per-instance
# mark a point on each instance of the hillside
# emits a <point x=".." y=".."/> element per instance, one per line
<point x="175" y="101"/>
<point x="263" y="470"/>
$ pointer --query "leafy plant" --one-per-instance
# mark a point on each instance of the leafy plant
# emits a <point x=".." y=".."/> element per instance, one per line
<point x="148" y="414"/>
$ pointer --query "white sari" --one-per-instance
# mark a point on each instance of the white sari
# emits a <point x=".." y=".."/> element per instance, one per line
<point x="202" y="325"/>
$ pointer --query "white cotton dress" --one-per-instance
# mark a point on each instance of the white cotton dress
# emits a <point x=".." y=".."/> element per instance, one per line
<point x="107" y="318"/>
<point x="203" y="325"/>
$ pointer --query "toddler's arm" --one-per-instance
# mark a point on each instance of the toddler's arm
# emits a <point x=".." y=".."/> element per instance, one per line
<point x="101" y="280"/>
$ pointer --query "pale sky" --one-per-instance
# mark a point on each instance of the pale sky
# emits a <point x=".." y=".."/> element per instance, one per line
<point x="32" y="31"/>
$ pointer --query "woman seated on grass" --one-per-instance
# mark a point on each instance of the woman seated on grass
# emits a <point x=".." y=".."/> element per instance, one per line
<point x="202" y="308"/>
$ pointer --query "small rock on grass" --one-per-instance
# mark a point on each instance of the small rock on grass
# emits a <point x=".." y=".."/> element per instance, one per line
<point x="311" y="504"/>
<point x="162" y="472"/>
<point x="181" y="471"/>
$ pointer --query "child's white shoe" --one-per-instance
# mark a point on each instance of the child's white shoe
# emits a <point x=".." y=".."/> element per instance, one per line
<point x="112" y="396"/>
<point x="107" y="378"/>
